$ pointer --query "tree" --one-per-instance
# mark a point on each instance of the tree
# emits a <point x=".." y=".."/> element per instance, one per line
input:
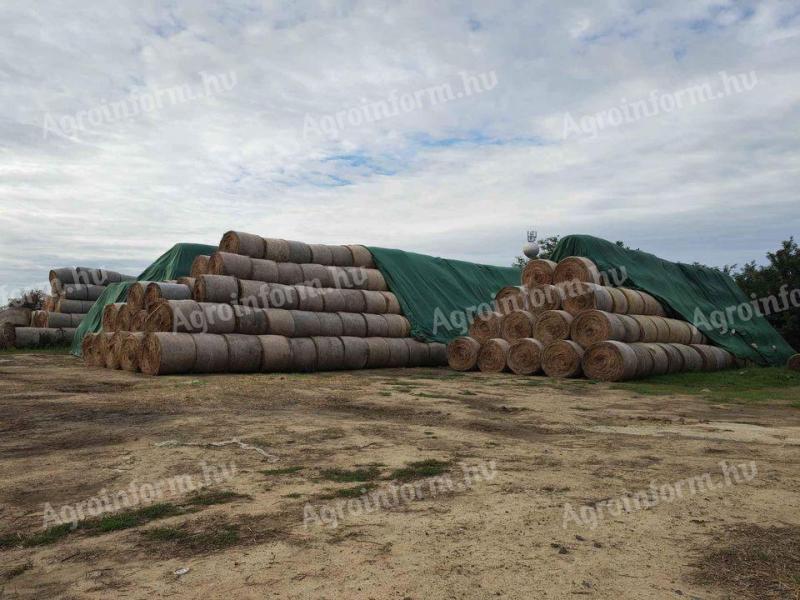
<point x="33" y="299"/>
<point x="546" y="247"/>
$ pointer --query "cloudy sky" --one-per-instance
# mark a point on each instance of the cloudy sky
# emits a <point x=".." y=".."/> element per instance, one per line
<point x="446" y="128"/>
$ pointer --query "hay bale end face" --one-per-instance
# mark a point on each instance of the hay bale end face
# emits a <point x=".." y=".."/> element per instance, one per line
<point x="493" y="357"/>
<point x="462" y="353"/>
<point x="538" y="272"/>
<point x="562" y="358"/>
<point x="525" y="356"/>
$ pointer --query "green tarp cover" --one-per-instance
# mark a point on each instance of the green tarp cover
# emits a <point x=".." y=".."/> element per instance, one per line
<point x="706" y="297"/>
<point x="439" y="296"/>
<point x="174" y="263"/>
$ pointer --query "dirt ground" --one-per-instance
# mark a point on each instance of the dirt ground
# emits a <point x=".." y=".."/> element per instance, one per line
<point x="540" y="520"/>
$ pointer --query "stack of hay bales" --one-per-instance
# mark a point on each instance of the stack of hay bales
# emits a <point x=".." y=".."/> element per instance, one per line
<point x="566" y="321"/>
<point x="262" y="305"/>
<point x="74" y="291"/>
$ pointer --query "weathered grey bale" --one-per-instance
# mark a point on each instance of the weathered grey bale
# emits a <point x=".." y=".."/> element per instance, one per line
<point x="290" y="273"/>
<point x="250" y="321"/>
<point x="212" y="353"/>
<point x="330" y="353"/>
<point x="674" y="356"/>
<point x="377" y="325"/>
<point x="321" y="254"/>
<point x="299" y="252"/>
<point x="333" y="300"/>
<point x="85" y="275"/>
<point x="418" y="353"/>
<point x="353" y="324"/>
<point x="233" y="265"/>
<point x="177" y="316"/>
<point x="244" y="353"/>
<point x="277" y="250"/>
<point x="310" y="298"/>
<point x="199" y="266"/>
<point x="356" y="353"/>
<point x="188" y="281"/>
<point x="306" y="323"/>
<point x="354" y="301"/>
<point x="165" y="290"/>
<point x="361" y="256"/>
<point x="341" y="256"/>
<point x="399" y="355"/>
<point x="255" y="294"/>
<point x="379" y="355"/>
<point x="392" y="304"/>
<point x="74" y="306"/>
<point x="279" y="322"/>
<point x="219" y="318"/>
<point x="398" y="326"/>
<point x="437" y="354"/>
<point x="166" y="353"/>
<point x="375" y="302"/>
<point x="283" y="296"/>
<point x="109" y="319"/>
<point x="129" y="352"/>
<point x="645" y="360"/>
<point x="82" y="291"/>
<point x="659" y="356"/>
<point x="18" y="316"/>
<point x="264" y="270"/>
<point x="34" y="337"/>
<point x="317" y="276"/>
<point x="276" y="353"/>
<point x="330" y="324"/>
<point x="216" y="288"/>
<point x="304" y="354"/>
<point x="51" y="320"/>
<point x="238" y="242"/>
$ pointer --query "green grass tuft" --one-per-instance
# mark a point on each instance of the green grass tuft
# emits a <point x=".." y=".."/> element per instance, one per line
<point x="420" y="469"/>
<point x="347" y="476"/>
<point x="211" y="498"/>
<point x="282" y="471"/>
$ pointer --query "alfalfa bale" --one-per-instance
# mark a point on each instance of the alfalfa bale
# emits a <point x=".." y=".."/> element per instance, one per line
<point x="330" y="324"/>
<point x="398" y="326"/>
<point x="659" y="356"/>
<point x="552" y="325"/>
<point x="109" y="319"/>
<point x="64" y="305"/>
<point x="341" y="256"/>
<point x="538" y="271"/>
<point x="276" y="250"/>
<point x="525" y="356"/>
<point x="276" y="353"/>
<point x="299" y="252"/>
<point x="485" y="326"/>
<point x="354" y="301"/>
<point x="374" y="302"/>
<point x="610" y="360"/>
<point x="462" y="353"/>
<point x="392" y="303"/>
<point x="353" y="324"/>
<point x="244" y="353"/>
<point x="356" y="353"/>
<point x="544" y="297"/>
<point x="562" y="358"/>
<point x="219" y="318"/>
<point x="165" y="353"/>
<point x="199" y="266"/>
<point x="333" y="300"/>
<point x="582" y="296"/>
<point x="361" y="256"/>
<point x="493" y="357"/>
<point x="238" y="242"/>
<point x="511" y="298"/>
<point x="636" y="305"/>
<point x="379" y="355"/>
<point x="576" y="268"/>
<point x="177" y="316"/>
<point x="793" y="363"/>
<point x="166" y="290"/>
<point x="216" y="288"/>
<point x="399" y="355"/>
<point x="310" y="298"/>
<point x="418" y="353"/>
<point x="516" y="325"/>
<point x="321" y="254"/>
<point x="264" y="270"/>
<point x="330" y="353"/>
<point x="130" y="351"/>
<point x="593" y="326"/>
<point x="304" y="354"/>
<point x="317" y="276"/>
<point x="377" y="325"/>
<point x="306" y="323"/>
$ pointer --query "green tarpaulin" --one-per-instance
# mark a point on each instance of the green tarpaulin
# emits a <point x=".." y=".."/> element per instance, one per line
<point x="174" y="263"/>
<point x="706" y="297"/>
<point x="439" y="296"/>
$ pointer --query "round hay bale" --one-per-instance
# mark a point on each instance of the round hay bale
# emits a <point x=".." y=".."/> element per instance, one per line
<point x="254" y="294"/>
<point x="53" y="320"/>
<point x="188" y="281"/>
<point x="130" y="351"/>
<point x="619" y="301"/>
<point x="299" y="252"/>
<point x="692" y="360"/>
<point x="552" y="325"/>
<point x="361" y="256"/>
<point x="485" y="326"/>
<point x="83" y="291"/>
<point x="398" y="326"/>
<point x="725" y="360"/>
<point x="330" y="325"/>
<point x="233" y="265"/>
<point x="317" y="276"/>
<point x="511" y="298"/>
<point x="238" y="242"/>
<point x="375" y="281"/>
<point x="167" y="353"/>
<point x="356" y="353"/>
<point x="588" y="296"/>
<point x="635" y="301"/>
<point x="138" y="320"/>
<point x="333" y="300"/>
<point x="679" y="331"/>
<point x="378" y="353"/>
<point x="418" y="353"/>
<point x="199" y="266"/>
<point x="674" y="357"/>
<point x="633" y="333"/>
<point x="216" y="288"/>
<point x="219" y="318"/>
<point x="647" y="328"/>
<point x="276" y="321"/>
<point x="462" y="353"/>
<point x="645" y="359"/>
<point x="342" y="257"/>
<point x="793" y="363"/>
<point x="321" y="254"/>
<point x="544" y="297"/>
<point x="399" y="355"/>
<point x="282" y="296"/>
<point x="516" y="325"/>
<point x="164" y="290"/>
<point x="493" y="357"/>
<point x="354" y="301"/>
<point x="306" y="323"/>
<point x="244" y="353"/>
<point x="610" y="360"/>
<point x="124" y="317"/>
<point x="276" y="353"/>
<point x="593" y="326"/>
<point x="212" y="353"/>
<point x="310" y="298"/>
<point x="290" y="273"/>
<point x="253" y="321"/>
<point x="74" y="306"/>
<point x="697" y="335"/>
<point x="114" y="349"/>
<point x="392" y="303"/>
<point x="377" y="325"/>
<point x="662" y="328"/>
<point x="276" y="250"/>
<point x="538" y="272"/>
<point x="353" y="324"/>
<point x="576" y="268"/>
<point x="525" y="356"/>
<point x="659" y="356"/>
<point x="264" y="270"/>
<point x="562" y="358"/>
<point x="87" y="349"/>
<point x="177" y="316"/>
<point x="109" y="320"/>
<point x="20" y="316"/>
<point x="437" y="354"/>
<point x="652" y="306"/>
<point x="375" y="302"/>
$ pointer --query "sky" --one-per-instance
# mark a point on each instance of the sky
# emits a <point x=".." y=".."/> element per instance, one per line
<point x="447" y="128"/>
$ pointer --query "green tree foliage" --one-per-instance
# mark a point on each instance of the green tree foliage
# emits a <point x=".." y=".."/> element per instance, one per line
<point x="546" y="247"/>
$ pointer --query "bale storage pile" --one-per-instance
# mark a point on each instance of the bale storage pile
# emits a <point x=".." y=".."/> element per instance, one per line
<point x="262" y="305"/>
<point x="565" y="321"/>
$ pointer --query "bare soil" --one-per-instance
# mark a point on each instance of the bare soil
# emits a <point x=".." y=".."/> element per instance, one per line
<point x="290" y="442"/>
